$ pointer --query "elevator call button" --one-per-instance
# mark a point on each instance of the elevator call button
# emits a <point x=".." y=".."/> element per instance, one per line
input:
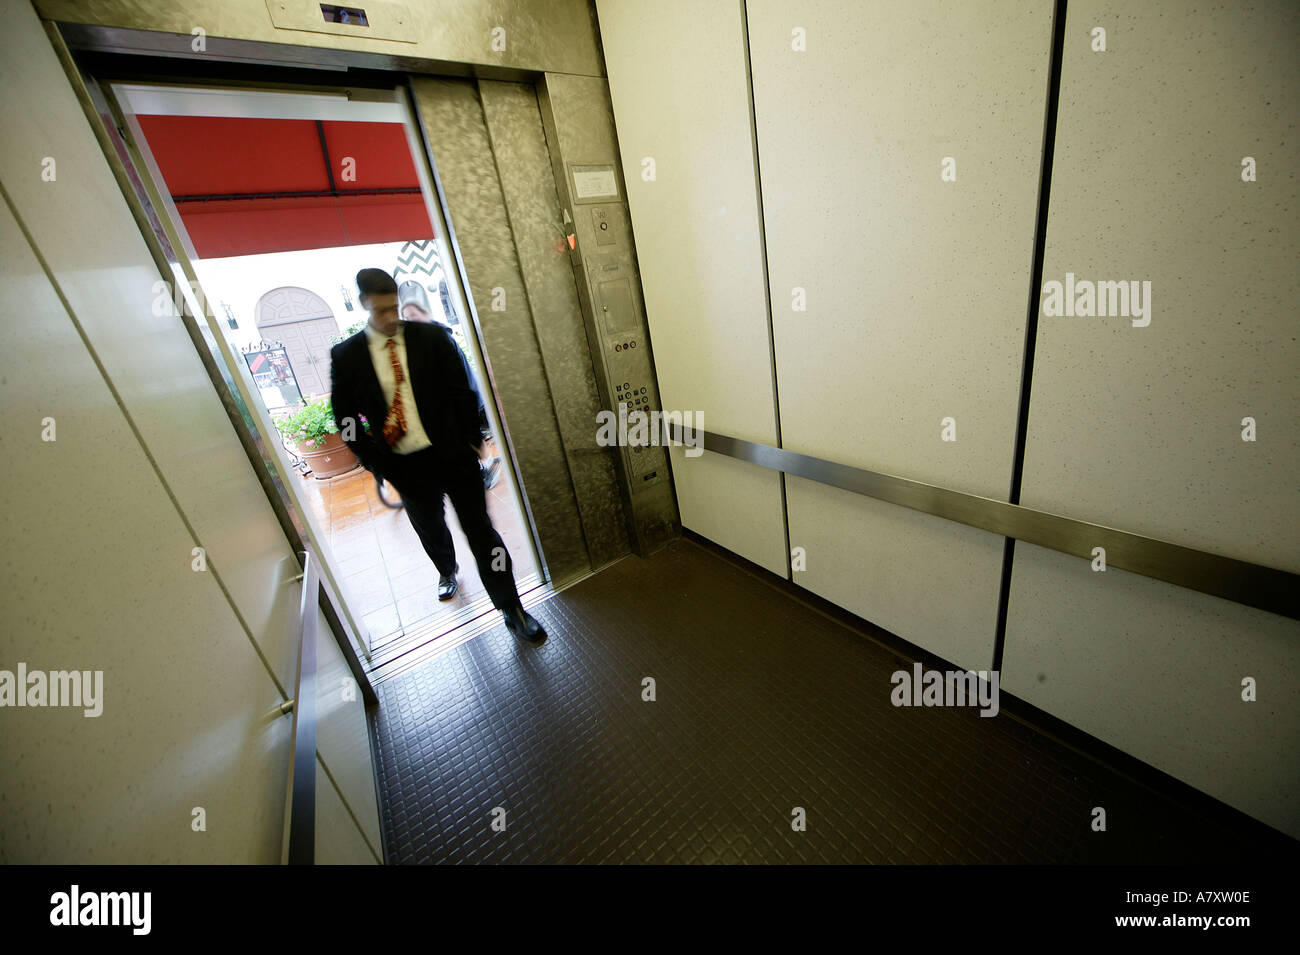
<point x="600" y="219"/>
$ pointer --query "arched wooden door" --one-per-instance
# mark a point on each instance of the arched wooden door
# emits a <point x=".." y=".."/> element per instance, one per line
<point x="305" y="323"/>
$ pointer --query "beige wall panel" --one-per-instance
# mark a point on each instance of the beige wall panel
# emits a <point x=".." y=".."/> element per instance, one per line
<point x="108" y="276"/>
<point x="338" y="840"/>
<point x="731" y="503"/>
<point x="698" y="246"/>
<point x="86" y="234"/>
<point x="696" y="223"/>
<point x="100" y="579"/>
<point x="343" y="736"/>
<point x="1140" y="427"/>
<point x="916" y="288"/>
<point x="931" y="581"/>
<point x="1157" y="670"/>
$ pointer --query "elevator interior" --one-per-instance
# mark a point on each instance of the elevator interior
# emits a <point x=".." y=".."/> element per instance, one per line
<point x="235" y="172"/>
<point x="622" y="494"/>
<point x="519" y="172"/>
<point x="902" y="527"/>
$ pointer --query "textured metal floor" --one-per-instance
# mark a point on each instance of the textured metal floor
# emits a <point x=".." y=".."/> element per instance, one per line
<point x="762" y="705"/>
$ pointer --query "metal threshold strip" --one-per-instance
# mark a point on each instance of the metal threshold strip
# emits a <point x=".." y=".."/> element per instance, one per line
<point x="1255" y="585"/>
<point x="384" y="647"/>
<point x="441" y="635"/>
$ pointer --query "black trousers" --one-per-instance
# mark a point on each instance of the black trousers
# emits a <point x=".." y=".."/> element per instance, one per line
<point x="422" y="478"/>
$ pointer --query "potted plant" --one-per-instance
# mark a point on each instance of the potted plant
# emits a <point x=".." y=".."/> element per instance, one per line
<point x="312" y="430"/>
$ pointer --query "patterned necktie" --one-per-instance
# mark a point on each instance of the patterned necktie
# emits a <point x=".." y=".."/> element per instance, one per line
<point x="395" y="425"/>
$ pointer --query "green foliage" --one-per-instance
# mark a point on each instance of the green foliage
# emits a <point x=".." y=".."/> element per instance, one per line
<point x="351" y="330"/>
<point x="309" y="425"/>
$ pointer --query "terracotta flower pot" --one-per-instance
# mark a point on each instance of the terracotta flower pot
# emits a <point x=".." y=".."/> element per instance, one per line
<point x="330" y="459"/>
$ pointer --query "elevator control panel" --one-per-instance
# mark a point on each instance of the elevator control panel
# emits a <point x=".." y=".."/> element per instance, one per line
<point x="628" y="372"/>
<point x="630" y="375"/>
<point x="605" y="262"/>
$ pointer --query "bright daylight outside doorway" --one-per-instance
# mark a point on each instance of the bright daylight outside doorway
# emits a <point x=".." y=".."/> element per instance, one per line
<point x="277" y="229"/>
<point x="291" y="307"/>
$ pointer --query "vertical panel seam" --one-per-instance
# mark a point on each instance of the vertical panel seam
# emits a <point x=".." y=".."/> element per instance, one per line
<point x="348" y="806"/>
<point x="1031" y="322"/>
<point x="135" y="431"/>
<point x="767" y="281"/>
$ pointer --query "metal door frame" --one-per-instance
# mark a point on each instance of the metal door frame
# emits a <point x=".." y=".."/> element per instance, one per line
<point x="139" y="179"/>
<point x="421" y="157"/>
<point x="150" y="191"/>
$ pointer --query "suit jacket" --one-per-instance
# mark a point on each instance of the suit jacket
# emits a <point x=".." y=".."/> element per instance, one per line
<point x="445" y="396"/>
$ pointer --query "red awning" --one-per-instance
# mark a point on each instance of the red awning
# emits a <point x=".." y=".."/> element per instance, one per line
<point x="244" y="186"/>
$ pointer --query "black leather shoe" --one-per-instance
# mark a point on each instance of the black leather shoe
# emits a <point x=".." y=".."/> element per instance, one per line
<point x="447" y="585"/>
<point x="523" y="626"/>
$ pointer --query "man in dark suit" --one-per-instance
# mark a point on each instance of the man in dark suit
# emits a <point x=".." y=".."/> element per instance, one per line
<point x="411" y="383"/>
<point x="414" y="306"/>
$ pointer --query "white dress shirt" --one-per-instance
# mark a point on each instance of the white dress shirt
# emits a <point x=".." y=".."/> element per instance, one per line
<point x="415" y="438"/>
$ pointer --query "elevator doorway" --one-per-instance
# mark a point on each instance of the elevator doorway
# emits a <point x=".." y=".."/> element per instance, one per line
<point x="271" y="201"/>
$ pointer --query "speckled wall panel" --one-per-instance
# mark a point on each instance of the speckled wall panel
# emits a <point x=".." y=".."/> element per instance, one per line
<point x="453" y="119"/>
<point x="98" y="564"/>
<point x="1157" y="670"/>
<point x="343" y="743"/>
<point x="932" y="581"/>
<point x="197" y="467"/>
<point x="108" y="276"/>
<point x="915" y="288"/>
<point x="338" y="840"/>
<point x="699" y="250"/>
<point x="524" y="166"/>
<point x="732" y="503"/>
<point x="1141" y="427"/>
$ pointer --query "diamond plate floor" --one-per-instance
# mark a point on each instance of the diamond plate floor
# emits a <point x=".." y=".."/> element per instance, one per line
<point x="762" y="706"/>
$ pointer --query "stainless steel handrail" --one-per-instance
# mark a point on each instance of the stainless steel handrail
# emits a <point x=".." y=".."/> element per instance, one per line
<point x="1255" y="585"/>
<point x="300" y="799"/>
